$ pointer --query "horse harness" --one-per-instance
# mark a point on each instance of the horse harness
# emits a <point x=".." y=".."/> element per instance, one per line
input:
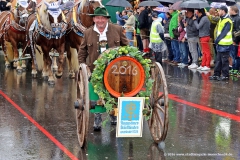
<point x="78" y="27"/>
<point x="58" y="30"/>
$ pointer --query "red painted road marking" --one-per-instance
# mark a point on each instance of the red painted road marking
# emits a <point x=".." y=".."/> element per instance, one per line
<point x="211" y="110"/>
<point x="54" y="140"/>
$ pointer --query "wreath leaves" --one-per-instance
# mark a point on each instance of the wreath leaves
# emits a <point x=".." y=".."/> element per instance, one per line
<point x="98" y="72"/>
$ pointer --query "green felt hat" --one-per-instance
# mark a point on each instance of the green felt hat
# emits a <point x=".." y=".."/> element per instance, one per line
<point x="100" y="11"/>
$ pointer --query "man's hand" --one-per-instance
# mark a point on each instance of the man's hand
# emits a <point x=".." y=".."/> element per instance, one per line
<point x="194" y="18"/>
<point x="117" y="12"/>
<point x="185" y="24"/>
<point x="164" y="21"/>
<point x="183" y="40"/>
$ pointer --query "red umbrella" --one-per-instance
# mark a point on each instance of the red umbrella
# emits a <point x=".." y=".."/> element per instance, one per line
<point x="176" y="6"/>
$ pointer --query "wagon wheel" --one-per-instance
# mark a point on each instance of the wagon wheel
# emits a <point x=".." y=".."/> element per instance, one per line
<point x="155" y="153"/>
<point x="158" y="123"/>
<point x="82" y="112"/>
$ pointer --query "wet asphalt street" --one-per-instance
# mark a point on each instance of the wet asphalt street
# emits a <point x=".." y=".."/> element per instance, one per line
<point x="37" y="122"/>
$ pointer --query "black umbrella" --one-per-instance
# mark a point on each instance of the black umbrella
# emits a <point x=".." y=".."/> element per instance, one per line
<point x="149" y="3"/>
<point x="119" y="3"/>
<point x="195" y="4"/>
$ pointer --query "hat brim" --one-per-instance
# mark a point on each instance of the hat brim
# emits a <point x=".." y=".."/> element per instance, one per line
<point x="93" y="15"/>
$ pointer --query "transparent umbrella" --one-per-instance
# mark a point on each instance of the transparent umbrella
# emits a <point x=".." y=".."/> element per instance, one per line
<point x="217" y="4"/>
<point x="176" y="5"/>
<point x="228" y="2"/>
<point x="149" y="3"/>
<point x="167" y="1"/>
<point x="119" y="3"/>
<point x="195" y="4"/>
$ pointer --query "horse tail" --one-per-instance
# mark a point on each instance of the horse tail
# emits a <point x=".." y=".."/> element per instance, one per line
<point x="9" y="51"/>
<point x="39" y="57"/>
<point x="74" y="59"/>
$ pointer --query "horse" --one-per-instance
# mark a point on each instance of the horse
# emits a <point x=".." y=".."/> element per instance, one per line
<point x="12" y="26"/>
<point x="81" y="20"/>
<point x="46" y="31"/>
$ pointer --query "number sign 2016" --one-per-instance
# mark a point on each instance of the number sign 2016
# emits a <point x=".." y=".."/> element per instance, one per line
<point x="124" y="70"/>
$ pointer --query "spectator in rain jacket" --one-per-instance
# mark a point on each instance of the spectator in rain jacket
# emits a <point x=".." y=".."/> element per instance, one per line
<point x="223" y="42"/>
<point x="192" y="34"/>
<point x="234" y="13"/>
<point x="167" y="37"/>
<point x="173" y="25"/>
<point x="3" y="6"/>
<point x="157" y="44"/>
<point x="121" y="18"/>
<point x="139" y="40"/>
<point x="182" y="41"/>
<point x="213" y="18"/>
<point x="130" y="26"/>
<point x="202" y="23"/>
<point x="143" y="26"/>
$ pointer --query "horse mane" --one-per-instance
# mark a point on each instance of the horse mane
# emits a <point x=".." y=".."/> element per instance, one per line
<point x="82" y="4"/>
<point x="14" y="13"/>
<point x="44" y="18"/>
<point x="13" y="4"/>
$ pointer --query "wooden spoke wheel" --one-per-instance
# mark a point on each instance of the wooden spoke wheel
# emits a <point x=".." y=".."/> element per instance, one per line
<point x="82" y="112"/>
<point x="155" y="153"/>
<point x="158" y="123"/>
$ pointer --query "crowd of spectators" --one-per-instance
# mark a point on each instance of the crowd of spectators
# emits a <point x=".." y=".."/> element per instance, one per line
<point x="197" y="39"/>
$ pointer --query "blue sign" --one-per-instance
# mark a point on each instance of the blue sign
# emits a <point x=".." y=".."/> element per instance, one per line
<point x="130" y="119"/>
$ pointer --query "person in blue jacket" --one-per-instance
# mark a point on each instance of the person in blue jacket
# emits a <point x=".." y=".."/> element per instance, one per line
<point x="121" y="17"/>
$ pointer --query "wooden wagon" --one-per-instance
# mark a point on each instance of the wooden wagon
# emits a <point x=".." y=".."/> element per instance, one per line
<point x="125" y="74"/>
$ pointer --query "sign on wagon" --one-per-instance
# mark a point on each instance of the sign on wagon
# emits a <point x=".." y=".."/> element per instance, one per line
<point x="130" y="117"/>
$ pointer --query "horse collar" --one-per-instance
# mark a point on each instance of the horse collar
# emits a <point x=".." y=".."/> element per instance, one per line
<point x="58" y="31"/>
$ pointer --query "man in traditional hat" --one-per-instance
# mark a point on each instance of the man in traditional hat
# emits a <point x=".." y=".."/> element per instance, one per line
<point x="101" y="36"/>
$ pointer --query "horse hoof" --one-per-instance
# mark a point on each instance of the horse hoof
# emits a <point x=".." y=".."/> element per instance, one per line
<point x="58" y="76"/>
<point x="71" y="76"/>
<point x="7" y="66"/>
<point x="45" y="78"/>
<point x="51" y="83"/>
<point x="34" y="75"/>
<point x="19" y="71"/>
<point x="24" y="69"/>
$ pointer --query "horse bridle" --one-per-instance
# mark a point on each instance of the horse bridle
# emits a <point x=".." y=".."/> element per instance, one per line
<point x="20" y="14"/>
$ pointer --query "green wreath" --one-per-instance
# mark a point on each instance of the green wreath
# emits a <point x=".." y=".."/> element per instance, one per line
<point x="100" y="65"/>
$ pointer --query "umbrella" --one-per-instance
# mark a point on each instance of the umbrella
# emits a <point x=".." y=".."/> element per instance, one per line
<point x="238" y="8"/>
<point x="167" y="1"/>
<point x="119" y="3"/>
<point x="195" y="4"/>
<point x="228" y="2"/>
<point x="149" y="3"/>
<point x="161" y="9"/>
<point x="217" y="4"/>
<point x="176" y="5"/>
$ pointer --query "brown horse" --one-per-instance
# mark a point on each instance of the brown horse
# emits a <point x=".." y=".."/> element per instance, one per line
<point x="80" y="22"/>
<point x="12" y="26"/>
<point x="46" y="30"/>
